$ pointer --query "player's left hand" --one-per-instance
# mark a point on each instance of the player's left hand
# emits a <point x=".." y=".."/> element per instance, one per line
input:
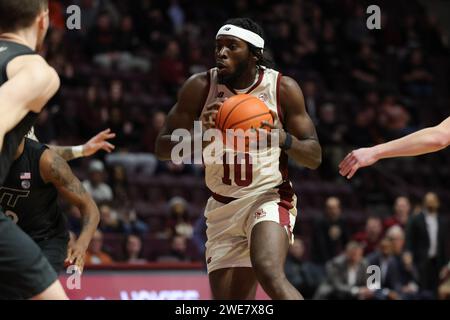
<point x="75" y="255"/>
<point x="356" y="159"/>
<point x="99" y="142"/>
<point x="275" y="128"/>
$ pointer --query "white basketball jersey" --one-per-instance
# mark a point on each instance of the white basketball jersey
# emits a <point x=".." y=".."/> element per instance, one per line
<point x="270" y="168"/>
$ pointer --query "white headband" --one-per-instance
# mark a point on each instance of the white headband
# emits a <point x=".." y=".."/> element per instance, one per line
<point x="241" y="33"/>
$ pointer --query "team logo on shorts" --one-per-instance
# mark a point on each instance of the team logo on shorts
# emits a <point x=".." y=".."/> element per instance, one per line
<point x="209" y="260"/>
<point x="26" y="184"/>
<point x="220" y="94"/>
<point x="260" y="214"/>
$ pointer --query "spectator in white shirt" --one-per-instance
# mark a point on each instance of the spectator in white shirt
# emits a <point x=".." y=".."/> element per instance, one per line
<point x="95" y="185"/>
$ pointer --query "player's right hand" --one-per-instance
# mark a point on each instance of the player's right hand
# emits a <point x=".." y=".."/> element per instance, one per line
<point x="76" y="253"/>
<point x="356" y="159"/>
<point x="208" y="117"/>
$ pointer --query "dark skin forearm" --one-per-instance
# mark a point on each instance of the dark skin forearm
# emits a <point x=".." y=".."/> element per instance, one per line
<point x="306" y="152"/>
<point x="89" y="221"/>
<point x="55" y="170"/>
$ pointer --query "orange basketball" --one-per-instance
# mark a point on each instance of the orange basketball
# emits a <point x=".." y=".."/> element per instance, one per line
<point x="242" y="111"/>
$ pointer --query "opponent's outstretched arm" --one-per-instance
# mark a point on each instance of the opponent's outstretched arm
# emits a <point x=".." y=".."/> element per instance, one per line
<point x="96" y="143"/>
<point x="421" y="142"/>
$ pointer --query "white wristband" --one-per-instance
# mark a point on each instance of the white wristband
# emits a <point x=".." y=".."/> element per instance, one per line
<point x="77" y="151"/>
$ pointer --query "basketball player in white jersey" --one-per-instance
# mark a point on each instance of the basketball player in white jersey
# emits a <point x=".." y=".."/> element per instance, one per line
<point x="421" y="142"/>
<point x="251" y="215"/>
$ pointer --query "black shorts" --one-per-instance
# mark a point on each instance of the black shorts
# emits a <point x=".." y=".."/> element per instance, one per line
<point x="24" y="271"/>
<point x="55" y="250"/>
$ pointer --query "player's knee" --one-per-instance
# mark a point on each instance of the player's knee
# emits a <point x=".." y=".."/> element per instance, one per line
<point x="268" y="271"/>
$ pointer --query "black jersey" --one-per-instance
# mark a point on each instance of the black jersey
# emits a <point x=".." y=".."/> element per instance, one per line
<point x="30" y="201"/>
<point x="8" y="51"/>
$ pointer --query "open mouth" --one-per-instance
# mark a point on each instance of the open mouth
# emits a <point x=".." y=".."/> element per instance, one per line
<point x="221" y="66"/>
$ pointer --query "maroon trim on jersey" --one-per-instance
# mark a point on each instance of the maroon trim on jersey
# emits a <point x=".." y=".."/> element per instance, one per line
<point x="285" y="205"/>
<point x="221" y="198"/>
<point x="231" y="89"/>
<point x="260" y="79"/>
<point x="280" y="112"/>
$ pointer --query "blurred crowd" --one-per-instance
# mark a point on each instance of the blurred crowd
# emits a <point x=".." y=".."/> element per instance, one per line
<point x="122" y="71"/>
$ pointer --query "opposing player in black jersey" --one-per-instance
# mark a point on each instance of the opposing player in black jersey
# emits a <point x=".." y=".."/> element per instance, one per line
<point x="27" y="82"/>
<point x="29" y="196"/>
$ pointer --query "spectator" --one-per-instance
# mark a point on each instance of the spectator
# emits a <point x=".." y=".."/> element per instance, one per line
<point x="304" y="275"/>
<point x="178" y="251"/>
<point x="109" y="220"/>
<point x="416" y="75"/>
<point x="372" y="234"/>
<point x="171" y="68"/>
<point x="402" y="209"/>
<point x="330" y="234"/>
<point x="408" y="275"/>
<point x="151" y="132"/>
<point x="346" y="276"/>
<point x="120" y="184"/>
<point x="133" y="225"/>
<point x="94" y="254"/>
<point x="330" y="135"/>
<point x="133" y="250"/>
<point x="96" y="185"/>
<point x="365" y="70"/>
<point x="179" y="222"/>
<point x="390" y="278"/>
<point x="426" y="239"/>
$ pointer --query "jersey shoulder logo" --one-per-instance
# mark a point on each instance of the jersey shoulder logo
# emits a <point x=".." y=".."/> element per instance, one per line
<point x="2" y="49"/>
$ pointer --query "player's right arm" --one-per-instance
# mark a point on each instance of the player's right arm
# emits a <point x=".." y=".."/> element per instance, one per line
<point x="55" y="170"/>
<point x="418" y="143"/>
<point x="32" y="82"/>
<point x="191" y="98"/>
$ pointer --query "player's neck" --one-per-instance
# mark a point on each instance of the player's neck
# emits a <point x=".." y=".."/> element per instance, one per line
<point x="25" y="37"/>
<point x="246" y="80"/>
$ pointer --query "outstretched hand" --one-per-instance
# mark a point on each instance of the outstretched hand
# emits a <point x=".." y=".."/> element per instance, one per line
<point x="99" y="142"/>
<point x="356" y="159"/>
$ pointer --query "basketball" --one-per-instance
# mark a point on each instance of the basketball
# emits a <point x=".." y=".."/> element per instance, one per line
<point x="242" y="111"/>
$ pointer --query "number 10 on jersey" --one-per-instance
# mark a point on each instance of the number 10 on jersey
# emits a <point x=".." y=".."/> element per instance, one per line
<point x="242" y="178"/>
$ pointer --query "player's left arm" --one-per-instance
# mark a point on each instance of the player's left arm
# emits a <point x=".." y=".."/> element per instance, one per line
<point x="56" y="171"/>
<point x="96" y="143"/>
<point x="305" y="148"/>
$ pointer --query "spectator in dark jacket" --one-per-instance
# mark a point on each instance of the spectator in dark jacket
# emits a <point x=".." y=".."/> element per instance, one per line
<point x="426" y="239"/>
<point x="330" y="233"/>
